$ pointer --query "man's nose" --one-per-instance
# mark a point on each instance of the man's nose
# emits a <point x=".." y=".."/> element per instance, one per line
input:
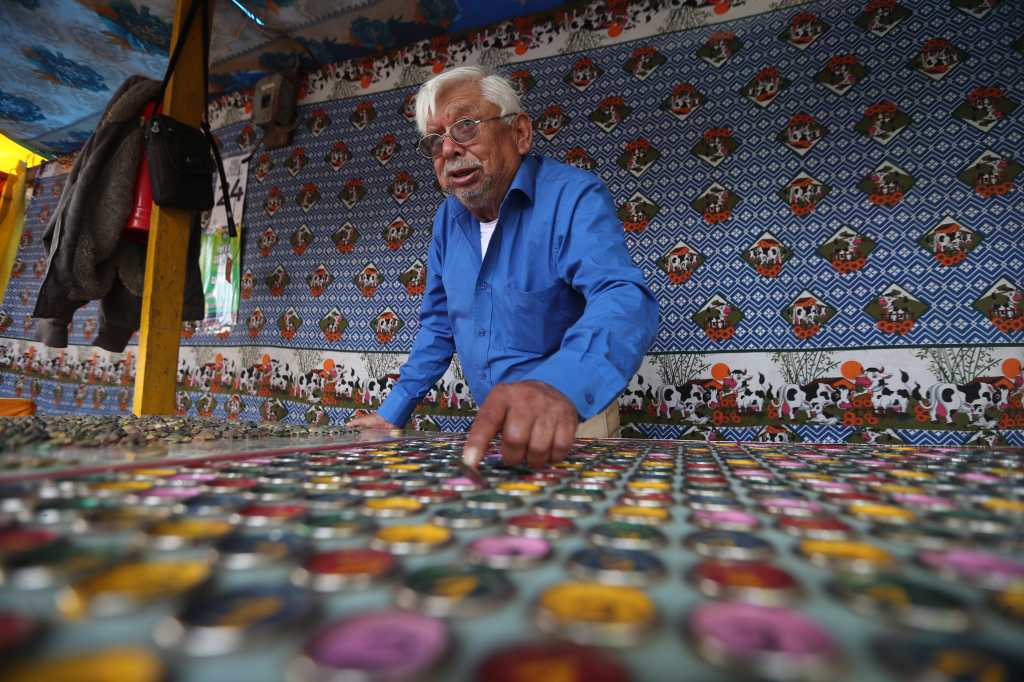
<point x="450" y="148"/>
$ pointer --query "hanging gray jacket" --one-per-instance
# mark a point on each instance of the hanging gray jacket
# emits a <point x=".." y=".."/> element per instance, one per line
<point x="88" y="260"/>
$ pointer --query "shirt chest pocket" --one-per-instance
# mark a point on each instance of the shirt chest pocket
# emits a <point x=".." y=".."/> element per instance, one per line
<point x="535" y="321"/>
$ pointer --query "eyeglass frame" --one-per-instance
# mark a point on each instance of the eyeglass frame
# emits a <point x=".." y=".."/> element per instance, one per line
<point x="447" y="133"/>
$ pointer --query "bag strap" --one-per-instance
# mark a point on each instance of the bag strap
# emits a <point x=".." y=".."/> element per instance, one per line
<point x="204" y="124"/>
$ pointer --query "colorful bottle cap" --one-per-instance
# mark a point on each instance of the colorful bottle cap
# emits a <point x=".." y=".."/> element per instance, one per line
<point x="754" y="582"/>
<point x="651" y="516"/>
<point x="616" y="566"/>
<point x="464" y="517"/>
<point x="376" y="645"/>
<point x="128" y="585"/>
<point x="977" y="567"/>
<point x="17" y="539"/>
<point x="730" y="545"/>
<point x="215" y="504"/>
<point x="268" y="514"/>
<point x="881" y="513"/>
<point x="858" y="557"/>
<point x="186" y="531"/>
<point x="392" y="507"/>
<point x="433" y="495"/>
<point x="539" y="526"/>
<point x="910" y="603"/>
<point x="219" y="623"/>
<point x="344" y="569"/>
<point x="717" y="502"/>
<point x="656" y="500"/>
<point x="551" y="661"/>
<point x="777" y="642"/>
<point x="493" y="502"/>
<point x="731" y="519"/>
<point x="17" y="632"/>
<point x="55" y="564"/>
<point x="593" y="613"/>
<point x="1010" y="601"/>
<point x="418" y="538"/>
<point x="519" y="489"/>
<point x="124" y="664"/>
<point x="508" y="551"/>
<point x="816" y="527"/>
<point x="577" y="495"/>
<point x="330" y="525"/>
<point x="454" y="590"/>
<point x="562" y="508"/>
<point x="786" y="506"/>
<point x="244" y="550"/>
<point x="949" y="658"/>
<point x="626" y="536"/>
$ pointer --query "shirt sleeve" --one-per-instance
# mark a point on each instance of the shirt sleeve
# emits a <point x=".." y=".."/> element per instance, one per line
<point x="432" y="351"/>
<point x="602" y="350"/>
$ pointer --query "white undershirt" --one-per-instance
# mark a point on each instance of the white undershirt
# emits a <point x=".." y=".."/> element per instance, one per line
<point x="486" y="231"/>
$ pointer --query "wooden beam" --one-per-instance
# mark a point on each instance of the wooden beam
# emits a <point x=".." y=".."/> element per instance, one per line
<point x="164" y="286"/>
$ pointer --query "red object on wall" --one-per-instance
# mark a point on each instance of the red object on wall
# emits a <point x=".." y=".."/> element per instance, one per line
<point x="137" y="228"/>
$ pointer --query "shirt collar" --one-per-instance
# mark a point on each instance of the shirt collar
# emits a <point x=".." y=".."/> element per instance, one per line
<point x="524" y="181"/>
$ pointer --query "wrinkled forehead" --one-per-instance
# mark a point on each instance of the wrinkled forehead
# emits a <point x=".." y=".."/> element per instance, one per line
<point x="457" y="101"/>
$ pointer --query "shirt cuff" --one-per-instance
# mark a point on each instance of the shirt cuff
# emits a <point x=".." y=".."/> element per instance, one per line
<point x="588" y="391"/>
<point x="397" y="407"/>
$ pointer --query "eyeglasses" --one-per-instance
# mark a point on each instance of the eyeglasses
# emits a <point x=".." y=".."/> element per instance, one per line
<point x="462" y="131"/>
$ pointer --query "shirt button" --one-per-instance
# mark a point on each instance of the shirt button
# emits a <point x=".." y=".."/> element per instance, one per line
<point x="589" y="397"/>
<point x="482" y="332"/>
<point x="481" y="287"/>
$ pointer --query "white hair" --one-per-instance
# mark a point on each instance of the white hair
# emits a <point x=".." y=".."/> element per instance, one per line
<point x="494" y="88"/>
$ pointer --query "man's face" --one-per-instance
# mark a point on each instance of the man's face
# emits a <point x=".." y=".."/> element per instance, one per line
<point x="479" y="172"/>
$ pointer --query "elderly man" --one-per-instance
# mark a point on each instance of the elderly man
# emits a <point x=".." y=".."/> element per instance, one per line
<point x="528" y="278"/>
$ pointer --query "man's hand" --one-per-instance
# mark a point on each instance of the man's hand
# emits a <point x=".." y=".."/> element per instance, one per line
<point x="536" y="422"/>
<point x="370" y="421"/>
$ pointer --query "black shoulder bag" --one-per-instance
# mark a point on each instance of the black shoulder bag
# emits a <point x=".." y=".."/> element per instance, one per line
<point x="180" y="163"/>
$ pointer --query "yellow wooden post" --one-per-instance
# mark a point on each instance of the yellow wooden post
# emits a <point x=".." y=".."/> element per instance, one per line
<point x="160" y="328"/>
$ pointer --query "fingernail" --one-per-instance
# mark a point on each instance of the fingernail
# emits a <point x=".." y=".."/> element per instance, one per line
<point x="471" y="456"/>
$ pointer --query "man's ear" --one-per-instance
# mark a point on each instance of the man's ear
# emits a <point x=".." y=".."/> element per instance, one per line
<point x="524" y="132"/>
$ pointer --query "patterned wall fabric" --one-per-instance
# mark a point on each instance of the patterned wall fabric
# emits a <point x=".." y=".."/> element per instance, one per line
<point x="823" y="198"/>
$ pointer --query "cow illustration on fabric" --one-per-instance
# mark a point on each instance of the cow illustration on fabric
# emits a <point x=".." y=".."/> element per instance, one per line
<point x="402" y="187"/>
<point x="338" y="155"/>
<point x="719" y="48"/>
<point x="39" y="268"/>
<point x="352" y="193"/>
<point x="396" y="234"/>
<point x="949" y="242"/>
<point x="847" y="250"/>
<point x="248" y="283"/>
<point x="552" y="120"/>
<point x="522" y="81"/>
<point x="333" y="325"/>
<point x="610" y="112"/>
<point x="386" y="325"/>
<point x="715" y="146"/>
<point x="803" y="29"/>
<point x="767" y="255"/>
<point x="765" y="86"/>
<point x="408" y="107"/>
<point x="319" y="280"/>
<point x="308" y="196"/>
<point x="776" y="434"/>
<point x="841" y="73"/>
<point x="807" y="315"/>
<point x="644" y="61"/>
<point x="386" y="148"/>
<point x="680" y="262"/>
<point x="803" y="194"/>
<point x="637" y="212"/>
<point x="363" y="115"/>
<point x="985" y="107"/>
<point x="300" y="239"/>
<point x="639" y="393"/>
<point x="264" y="164"/>
<point x="188" y="329"/>
<point x="978" y="9"/>
<point x="318" y="122"/>
<point x="886" y="185"/>
<point x="683" y="100"/>
<point x="578" y="156"/>
<point x="288" y="324"/>
<point x="246" y="137"/>
<point x="937" y="57"/>
<point x="881" y="16"/>
<point x="638" y="156"/>
<point x="715" y="203"/>
<point x="583" y="73"/>
<point x="234" y="407"/>
<point x="882" y="121"/>
<point x="991" y="175"/>
<point x="802" y="132"/>
<point x="266" y="242"/>
<point x="958" y="403"/>
<point x="273" y="410"/>
<point x="414" y="279"/>
<point x="274" y="201"/>
<point x="316" y="414"/>
<point x="277" y="281"/>
<point x="368" y="280"/>
<point x="255" y="322"/>
<point x="297" y="160"/>
<point x="1003" y="305"/>
<point x="718" y="318"/>
<point x="895" y="310"/>
<point x="345" y="238"/>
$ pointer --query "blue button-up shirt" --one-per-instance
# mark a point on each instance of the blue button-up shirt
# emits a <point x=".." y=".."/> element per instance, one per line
<point x="557" y="298"/>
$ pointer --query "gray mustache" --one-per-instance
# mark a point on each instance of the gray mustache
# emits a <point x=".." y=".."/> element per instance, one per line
<point x="460" y="164"/>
